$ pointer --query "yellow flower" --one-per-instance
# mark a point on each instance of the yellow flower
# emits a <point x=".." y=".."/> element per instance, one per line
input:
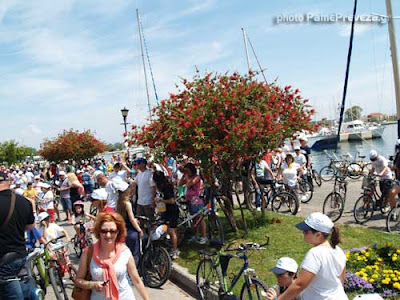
<point x="398" y="251"/>
<point x="379" y="259"/>
<point x="394" y="258"/>
<point x="371" y="280"/>
<point x="363" y="251"/>
<point x="369" y="267"/>
<point x="367" y="254"/>
<point x="375" y="276"/>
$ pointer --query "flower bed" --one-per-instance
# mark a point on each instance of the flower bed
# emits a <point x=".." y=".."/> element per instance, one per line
<point x="374" y="269"/>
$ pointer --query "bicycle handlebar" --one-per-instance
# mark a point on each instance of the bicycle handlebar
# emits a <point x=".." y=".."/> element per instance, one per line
<point x="53" y="240"/>
<point x="248" y="246"/>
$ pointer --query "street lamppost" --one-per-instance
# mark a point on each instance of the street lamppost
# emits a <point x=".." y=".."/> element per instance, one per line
<point x="124" y="113"/>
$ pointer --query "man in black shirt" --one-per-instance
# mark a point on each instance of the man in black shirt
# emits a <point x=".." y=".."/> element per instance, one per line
<point x="14" y="220"/>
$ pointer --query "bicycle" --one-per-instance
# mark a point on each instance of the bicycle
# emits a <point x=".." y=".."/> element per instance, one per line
<point x="154" y="262"/>
<point x="341" y="167"/>
<point x="215" y="230"/>
<point x="334" y="202"/>
<point x="393" y="219"/>
<point x="285" y="198"/>
<point x="304" y="189"/>
<point x="211" y="274"/>
<point x="30" y="288"/>
<point x="48" y="270"/>
<point x="82" y="240"/>
<point x="366" y="205"/>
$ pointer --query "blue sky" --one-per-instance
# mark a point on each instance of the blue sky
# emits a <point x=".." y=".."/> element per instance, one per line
<point x="74" y="64"/>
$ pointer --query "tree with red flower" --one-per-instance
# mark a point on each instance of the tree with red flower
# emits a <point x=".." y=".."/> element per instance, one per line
<point x="71" y="144"/>
<point x="220" y="120"/>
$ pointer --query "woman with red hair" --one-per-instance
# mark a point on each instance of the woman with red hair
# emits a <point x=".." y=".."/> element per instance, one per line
<point x="110" y="262"/>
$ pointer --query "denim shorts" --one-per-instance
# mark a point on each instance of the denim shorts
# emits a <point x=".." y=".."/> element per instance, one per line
<point x="194" y="208"/>
<point x="66" y="203"/>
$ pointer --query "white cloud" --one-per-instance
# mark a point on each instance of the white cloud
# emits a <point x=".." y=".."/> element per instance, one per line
<point x="359" y="29"/>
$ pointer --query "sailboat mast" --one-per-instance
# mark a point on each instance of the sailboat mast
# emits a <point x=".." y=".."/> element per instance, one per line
<point x="144" y="64"/>
<point x="394" y="61"/>
<point x="245" y="47"/>
<point x="346" y="79"/>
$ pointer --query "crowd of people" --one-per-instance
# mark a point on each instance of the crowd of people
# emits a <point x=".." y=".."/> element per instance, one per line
<point x="123" y="189"/>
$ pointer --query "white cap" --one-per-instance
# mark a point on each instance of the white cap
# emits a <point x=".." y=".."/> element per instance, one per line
<point x="78" y="172"/>
<point x="373" y="154"/>
<point x="65" y="161"/>
<point x="285" y="264"/>
<point x="42" y="216"/>
<point x="99" y="194"/>
<point x="20" y="172"/>
<point x="29" y="169"/>
<point x="297" y="147"/>
<point x="317" y="221"/>
<point x="43" y="185"/>
<point x="98" y="173"/>
<point x="303" y="138"/>
<point x="36" y="177"/>
<point x="61" y="173"/>
<point x="119" y="184"/>
<point x="398" y="142"/>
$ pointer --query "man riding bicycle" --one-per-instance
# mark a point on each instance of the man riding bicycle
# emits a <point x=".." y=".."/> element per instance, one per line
<point x="381" y="166"/>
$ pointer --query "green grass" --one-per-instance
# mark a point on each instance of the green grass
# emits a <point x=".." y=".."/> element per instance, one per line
<point x="285" y="240"/>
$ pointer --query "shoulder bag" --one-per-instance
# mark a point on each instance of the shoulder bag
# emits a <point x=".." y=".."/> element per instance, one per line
<point x="79" y="293"/>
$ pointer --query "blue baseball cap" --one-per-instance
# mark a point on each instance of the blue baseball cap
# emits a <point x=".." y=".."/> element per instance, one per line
<point x="141" y="160"/>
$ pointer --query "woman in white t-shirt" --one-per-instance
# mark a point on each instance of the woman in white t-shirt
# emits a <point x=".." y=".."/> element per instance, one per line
<point x="323" y="269"/>
<point x="289" y="171"/>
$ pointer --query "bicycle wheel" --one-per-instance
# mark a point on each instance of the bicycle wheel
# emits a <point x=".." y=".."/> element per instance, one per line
<point x="333" y="206"/>
<point x="155" y="265"/>
<point x="363" y="209"/>
<point x="77" y="243"/>
<point x="306" y="191"/>
<point x="215" y="231"/>
<point x="327" y="173"/>
<point x="208" y="279"/>
<point x="284" y="200"/>
<point x="57" y="284"/>
<point x="393" y="220"/>
<point x="316" y="177"/>
<point x="354" y="170"/>
<point x="256" y="289"/>
<point x="36" y="276"/>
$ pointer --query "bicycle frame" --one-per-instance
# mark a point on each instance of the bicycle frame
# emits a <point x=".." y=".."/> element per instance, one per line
<point x="203" y="211"/>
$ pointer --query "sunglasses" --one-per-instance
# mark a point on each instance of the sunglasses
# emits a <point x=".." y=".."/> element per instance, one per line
<point x="104" y="231"/>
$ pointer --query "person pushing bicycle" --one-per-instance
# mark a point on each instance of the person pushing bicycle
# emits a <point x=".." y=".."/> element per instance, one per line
<point x="380" y="165"/>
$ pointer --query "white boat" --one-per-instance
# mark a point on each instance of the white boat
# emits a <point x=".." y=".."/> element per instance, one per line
<point x="355" y="130"/>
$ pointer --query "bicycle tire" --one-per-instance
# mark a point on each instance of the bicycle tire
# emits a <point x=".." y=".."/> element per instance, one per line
<point x="283" y="199"/>
<point x="215" y="231"/>
<point x="57" y="284"/>
<point x="155" y="265"/>
<point x="363" y="209"/>
<point x="38" y="279"/>
<point x="327" y="173"/>
<point x="354" y="170"/>
<point x="316" y="177"/>
<point x="306" y="191"/>
<point x="208" y="279"/>
<point x="256" y="290"/>
<point x="77" y="246"/>
<point x="393" y="221"/>
<point x="333" y="206"/>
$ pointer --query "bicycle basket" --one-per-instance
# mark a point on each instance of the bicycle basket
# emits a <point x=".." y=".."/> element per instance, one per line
<point x="366" y="182"/>
<point x="224" y="262"/>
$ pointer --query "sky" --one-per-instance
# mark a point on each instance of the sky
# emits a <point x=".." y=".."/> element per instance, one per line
<point x="76" y="63"/>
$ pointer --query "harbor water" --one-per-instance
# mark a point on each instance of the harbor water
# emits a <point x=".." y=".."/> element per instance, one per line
<point x="384" y="146"/>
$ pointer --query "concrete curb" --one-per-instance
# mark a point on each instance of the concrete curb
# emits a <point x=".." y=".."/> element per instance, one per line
<point x="184" y="280"/>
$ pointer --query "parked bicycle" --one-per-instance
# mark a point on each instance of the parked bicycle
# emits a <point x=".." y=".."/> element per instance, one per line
<point x="186" y="222"/>
<point x="334" y="202"/>
<point x="155" y="262"/>
<point x="339" y="167"/>
<point x="369" y="200"/>
<point x="211" y="274"/>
